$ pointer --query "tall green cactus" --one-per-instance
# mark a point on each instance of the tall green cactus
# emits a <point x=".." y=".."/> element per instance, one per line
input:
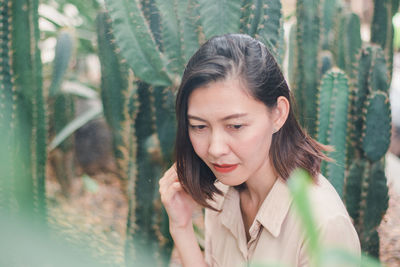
<point x="117" y="89"/>
<point x="307" y="69"/>
<point x="347" y="53"/>
<point x="361" y="133"/>
<point x="359" y="130"/>
<point x="270" y="30"/>
<point x="22" y="111"/>
<point x="128" y="110"/>
<point x="371" y="142"/>
<point x="333" y="114"/>
<point x="382" y="31"/>
<point x="330" y="10"/>
<point x="8" y="105"/>
<point x="62" y="111"/>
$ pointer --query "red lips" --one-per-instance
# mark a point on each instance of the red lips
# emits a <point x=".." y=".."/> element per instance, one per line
<point x="224" y="168"/>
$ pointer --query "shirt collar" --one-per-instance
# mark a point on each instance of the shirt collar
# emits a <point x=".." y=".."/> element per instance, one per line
<point x="275" y="207"/>
<point x="271" y="214"/>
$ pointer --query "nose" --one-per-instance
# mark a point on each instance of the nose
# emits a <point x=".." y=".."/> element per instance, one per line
<point x="218" y="145"/>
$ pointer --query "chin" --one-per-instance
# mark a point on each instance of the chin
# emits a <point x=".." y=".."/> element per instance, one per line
<point x="229" y="182"/>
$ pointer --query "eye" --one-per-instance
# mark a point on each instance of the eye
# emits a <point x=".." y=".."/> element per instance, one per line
<point x="235" y="126"/>
<point x="197" y="127"/>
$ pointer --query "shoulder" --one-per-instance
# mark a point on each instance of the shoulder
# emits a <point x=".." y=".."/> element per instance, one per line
<point x="325" y="201"/>
<point x="330" y="214"/>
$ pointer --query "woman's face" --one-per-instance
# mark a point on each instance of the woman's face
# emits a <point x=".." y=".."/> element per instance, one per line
<point x="231" y="131"/>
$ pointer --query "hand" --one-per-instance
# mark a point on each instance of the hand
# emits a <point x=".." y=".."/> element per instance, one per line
<point x="178" y="204"/>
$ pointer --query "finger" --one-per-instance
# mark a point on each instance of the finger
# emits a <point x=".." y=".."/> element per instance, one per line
<point x="169" y="176"/>
<point x="169" y="193"/>
<point x="171" y="170"/>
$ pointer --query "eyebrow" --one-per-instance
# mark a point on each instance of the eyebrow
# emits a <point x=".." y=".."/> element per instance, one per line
<point x="229" y="117"/>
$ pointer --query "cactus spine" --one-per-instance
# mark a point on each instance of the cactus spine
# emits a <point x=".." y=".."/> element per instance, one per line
<point x="22" y="110"/>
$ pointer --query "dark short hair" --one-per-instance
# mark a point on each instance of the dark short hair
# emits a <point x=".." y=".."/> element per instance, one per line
<point x="242" y="57"/>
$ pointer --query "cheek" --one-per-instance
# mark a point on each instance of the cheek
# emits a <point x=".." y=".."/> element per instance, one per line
<point x="256" y="145"/>
<point x="198" y="144"/>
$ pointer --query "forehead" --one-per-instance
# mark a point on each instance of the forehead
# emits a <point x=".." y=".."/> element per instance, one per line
<point x="223" y="97"/>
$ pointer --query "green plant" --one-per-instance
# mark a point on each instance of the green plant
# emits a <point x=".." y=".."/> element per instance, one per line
<point x="333" y="110"/>
<point x="353" y="110"/>
<point x="382" y="30"/>
<point x="61" y="107"/>
<point x="356" y="121"/>
<point x="306" y="70"/>
<point x="22" y="112"/>
<point x="366" y="194"/>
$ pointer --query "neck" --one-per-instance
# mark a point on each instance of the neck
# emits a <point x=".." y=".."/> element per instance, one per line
<point x="259" y="187"/>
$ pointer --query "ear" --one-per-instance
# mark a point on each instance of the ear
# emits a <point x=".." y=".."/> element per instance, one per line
<point x="280" y="112"/>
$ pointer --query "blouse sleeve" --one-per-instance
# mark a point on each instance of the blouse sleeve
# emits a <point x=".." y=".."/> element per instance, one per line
<point x="337" y="232"/>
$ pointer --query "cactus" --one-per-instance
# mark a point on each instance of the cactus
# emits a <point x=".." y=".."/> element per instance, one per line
<point x="382" y="31"/>
<point x="136" y="42"/>
<point x="348" y="43"/>
<point x="357" y="122"/>
<point x="367" y="201"/>
<point x="219" y="17"/>
<point x="270" y="30"/>
<point x="116" y="90"/>
<point x="22" y="112"/>
<point x="377" y="126"/>
<point x="292" y="55"/>
<point x="141" y="217"/>
<point x="330" y="10"/>
<point x="371" y="143"/>
<point x="347" y="55"/>
<point x="133" y="128"/>
<point x="8" y="106"/>
<point x="371" y="77"/>
<point x="362" y="124"/>
<point x="333" y="116"/>
<point x="307" y="69"/>
<point x="62" y="110"/>
<point x="178" y="32"/>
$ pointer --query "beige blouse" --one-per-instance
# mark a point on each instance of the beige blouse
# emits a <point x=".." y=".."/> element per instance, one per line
<point x="276" y="235"/>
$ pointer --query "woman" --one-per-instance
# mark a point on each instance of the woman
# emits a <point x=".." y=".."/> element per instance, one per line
<point x="237" y="143"/>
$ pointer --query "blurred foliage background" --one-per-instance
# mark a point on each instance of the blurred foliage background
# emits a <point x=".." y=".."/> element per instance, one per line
<point x="87" y="120"/>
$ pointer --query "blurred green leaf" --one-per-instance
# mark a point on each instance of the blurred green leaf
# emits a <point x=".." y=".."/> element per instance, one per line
<point x="299" y="182"/>
<point x="94" y="112"/>
<point x="79" y="89"/>
<point x="25" y="244"/>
